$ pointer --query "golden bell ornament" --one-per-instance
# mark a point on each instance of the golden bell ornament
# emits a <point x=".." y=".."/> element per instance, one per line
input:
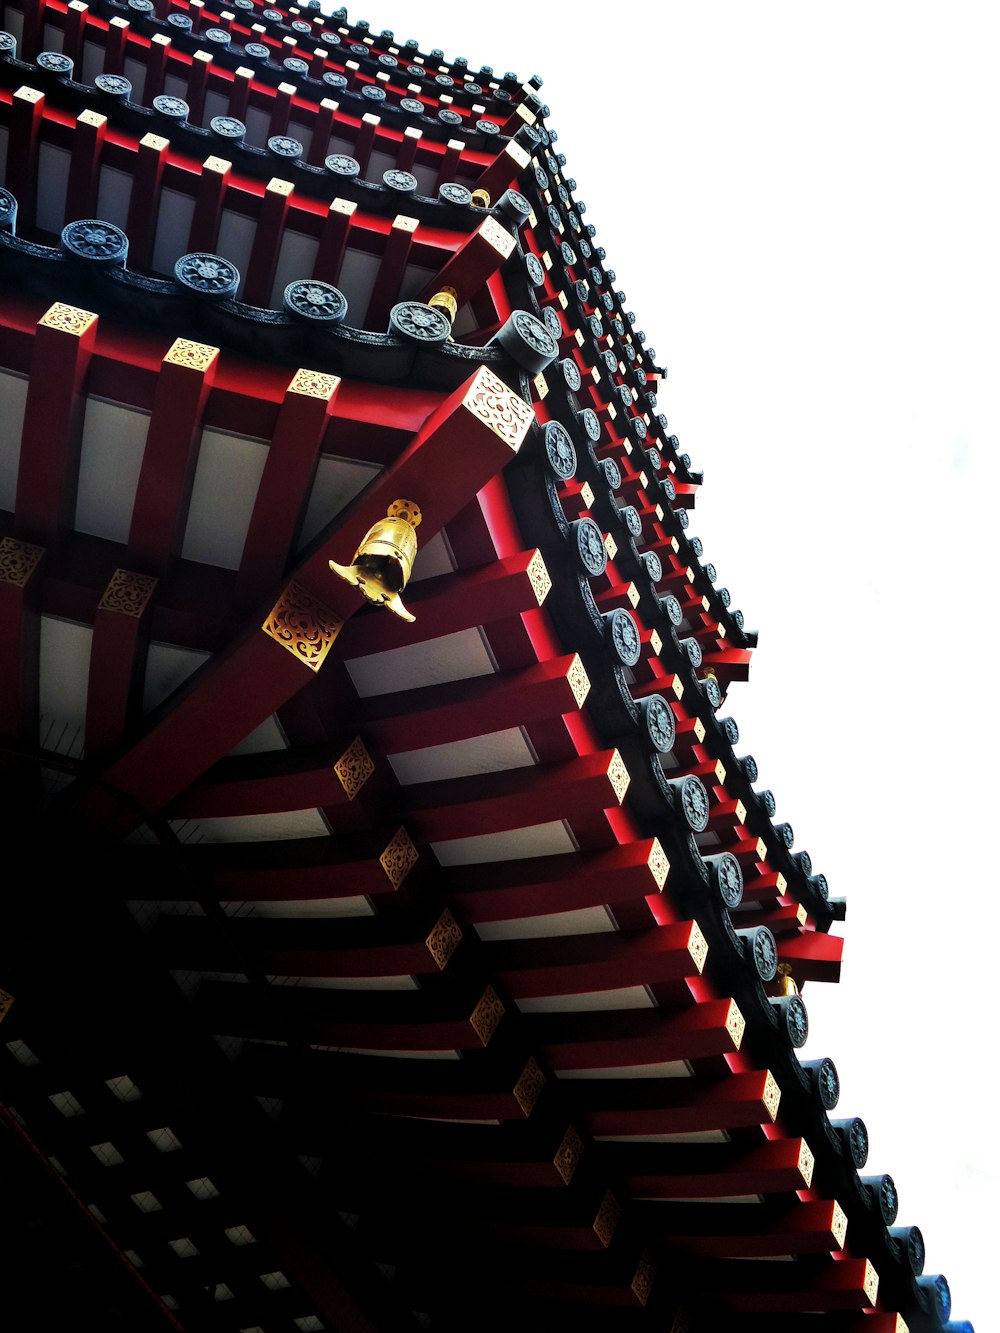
<point x="383" y="562"/>
<point x="446" y="300"/>
<point x="481" y="198"/>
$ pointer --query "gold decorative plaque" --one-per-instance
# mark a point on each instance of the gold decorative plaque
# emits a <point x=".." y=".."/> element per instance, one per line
<point x="18" y="561"/>
<point x="303" y="626"/>
<point x="658" y="864"/>
<point x="399" y="858"/>
<point x="838" y="1225"/>
<point x="645" y="1275"/>
<point x="771" y="1096"/>
<point x="128" y="594"/>
<point x="528" y="1087"/>
<point x="192" y="355"/>
<point x="697" y="946"/>
<point x="498" y="407"/>
<point x="6" y="1000"/>
<point x="486" y="1016"/>
<point x="444" y="939"/>
<point x="568" y="1155"/>
<point x="607" y="1219"/>
<point x="541" y="582"/>
<point x="67" y="318"/>
<point x="497" y="236"/>
<point x="735" y="1023"/>
<point x="806" y="1163"/>
<point x="618" y="776"/>
<point x="870" y="1282"/>
<point x="354" y="768"/>
<point x="579" y="681"/>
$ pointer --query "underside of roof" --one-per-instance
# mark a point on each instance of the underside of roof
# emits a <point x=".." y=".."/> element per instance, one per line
<point x="377" y="973"/>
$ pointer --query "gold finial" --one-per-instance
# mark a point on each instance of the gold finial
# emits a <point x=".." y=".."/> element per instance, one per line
<point x="481" y="198"/>
<point x="383" y="562"/>
<point x="787" y="982"/>
<point x="446" y="300"/>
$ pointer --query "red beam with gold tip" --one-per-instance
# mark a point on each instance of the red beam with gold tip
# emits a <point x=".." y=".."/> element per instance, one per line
<point x="121" y="626"/>
<point x="580" y="964"/>
<point x="845" y="1284"/>
<point x="682" y="1106"/>
<point x="776" y="1166"/>
<point x="480" y="255"/>
<point x="814" y="1227"/>
<point x="465" y="442"/>
<point x="20" y="585"/>
<point x="283" y="492"/>
<point x="601" y="1041"/>
<point x="53" y="422"/>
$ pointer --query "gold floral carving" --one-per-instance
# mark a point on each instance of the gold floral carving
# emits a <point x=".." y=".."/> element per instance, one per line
<point x="587" y="495"/>
<point x="838" y="1225"/>
<point x="870" y="1282"/>
<point x="67" y="318"/>
<point x="6" y="1000"/>
<point x="496" y="235"/>
<point x="579" y="681"/>
<point x="682" y="1322"/>
<point x="303" y="626"/>
<point x="658" y="864"/>
<point x="518" y="155"/>
<point x="399" y="858"/>
<point x="632" y="593"/>
<point x="677" y="685"/>
<point x="736" y="1024"/>
<point x="18" y="561"/>
<point x="92" y="118"/>
<point x="528" y="1087"/>
<point x="781" y="884"/>
<point x="901" y="1325"/>
<point x="128" y="594"/>
<point x="444" y="939"/>
<point x="741" y="813"/>
<point x="354" y="768"/>
<point x="618" y="776"/>
<point x="607" y="1219"/>
<point x="568" y="1155"/>
<point x="645" y="1276"/>
<point x="771" y="1096"/>
<point x="541" y="386"/>
<point x="611" y="546"/>
<point x="498" y="407"/>
<point x="697" y="946"/>
<point x="191" y="355"/>
<point x="314" y="384"/>
<point x="806" y="1163"/>
<point x="26" y="94"/>
<point x="155" y="141"/>
<point x="486" y="1016"/>
<point x="539" y="577"/>
<point x="277" y="186"/>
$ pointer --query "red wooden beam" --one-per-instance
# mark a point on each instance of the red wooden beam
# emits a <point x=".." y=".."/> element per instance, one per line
<point x="144" y="201"/>
<point x="171" y="453"/>
<point x="20" y="584"/>
<point x="121" y="625"/>
<point x="267" y="242"/>
<point x="53" y="421"/>
<point x="462" y="444"/>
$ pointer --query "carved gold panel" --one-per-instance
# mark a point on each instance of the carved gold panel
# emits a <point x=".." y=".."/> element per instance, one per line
<point x="67" y="318"/>
<point x="838" y="1225"/>
<point x="736" y="1024"/>
<point x="528" y="1087"/>
<point x="806" y="1163"/>
<point x="191" y="355"/>
<point x="541" y="582"/>
<point x="399" y="858"/>
<point x="579" y="681"/>
<point x="303" y="626"/>
<point x="871" y="1282"/>
<point x="354" y="767"/>
<point x="6" y="1000"/>
<point x="697" y="946"/>
<point x="444" y="939"/>
<point x="498" y="407"/>
<point x="607" y="1219"/>
<point x="128" y="594"/>
<point x="658" y="864"/>
<point x="771" y="1096"/>
<point x="618" y="776"/>
<point x="486" y="1016"/>
<point x="18" y="561"/>
<point x="645" y="1275"/>
<point x="568" y="1155"/>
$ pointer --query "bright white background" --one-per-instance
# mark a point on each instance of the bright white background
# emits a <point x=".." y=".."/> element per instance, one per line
<point x="800" y="201"/>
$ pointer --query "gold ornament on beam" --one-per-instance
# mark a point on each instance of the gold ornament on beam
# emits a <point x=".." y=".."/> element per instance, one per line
<point x="383" y="562"/>
<point x="446" y="300"/>
<point x="481" y="198"/>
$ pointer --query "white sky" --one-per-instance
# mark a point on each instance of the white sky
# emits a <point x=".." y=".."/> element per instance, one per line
<point x="801" y="203"/>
